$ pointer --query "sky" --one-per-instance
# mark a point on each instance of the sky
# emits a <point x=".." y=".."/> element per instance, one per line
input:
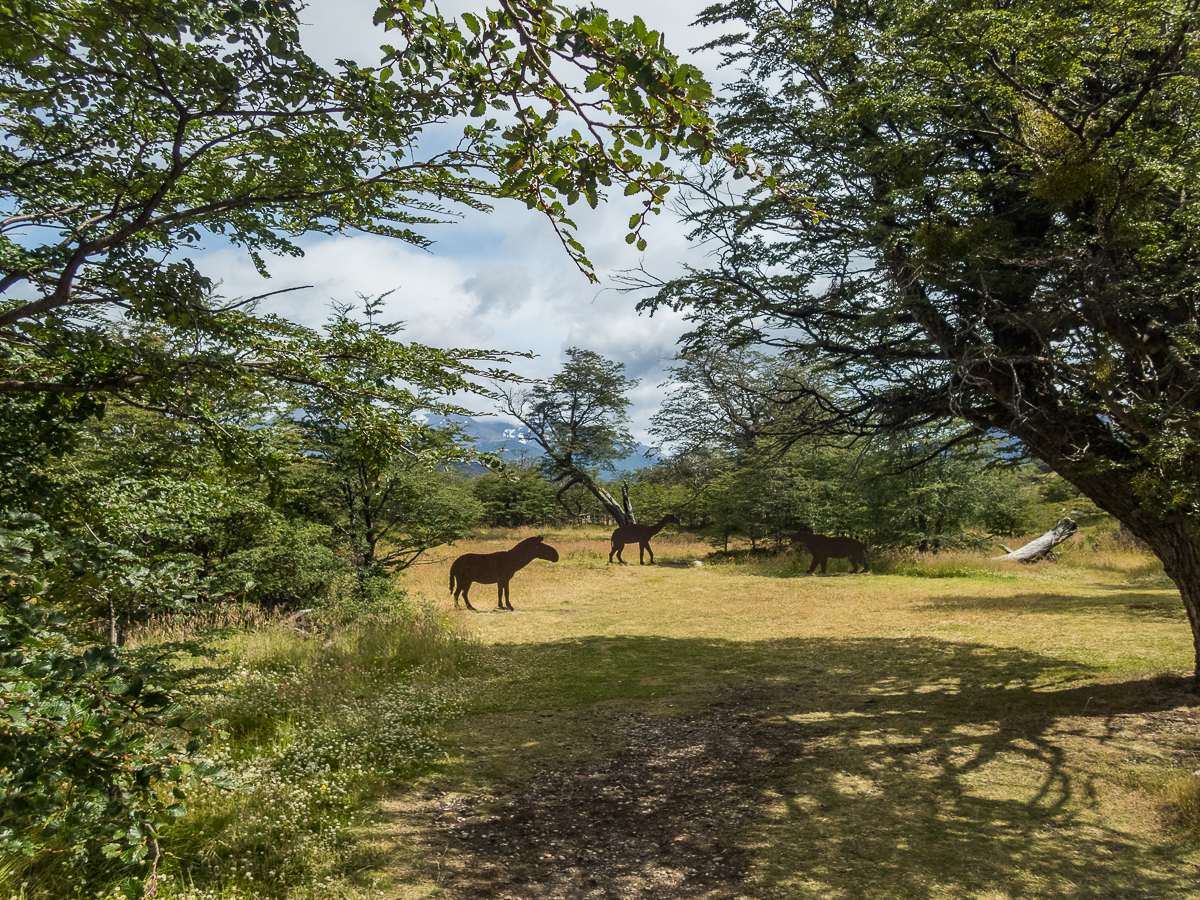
<point x="497" y="281"/>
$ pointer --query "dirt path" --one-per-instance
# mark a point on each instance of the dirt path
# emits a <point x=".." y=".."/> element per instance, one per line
<point x="656" y="818"/>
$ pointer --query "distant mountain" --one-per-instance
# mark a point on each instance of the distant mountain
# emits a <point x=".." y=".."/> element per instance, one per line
<point x="508" y="440"/>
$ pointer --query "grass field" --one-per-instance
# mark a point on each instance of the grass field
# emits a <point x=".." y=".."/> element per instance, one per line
<point x="995" y="731"/>
<point x="945" y="728"/>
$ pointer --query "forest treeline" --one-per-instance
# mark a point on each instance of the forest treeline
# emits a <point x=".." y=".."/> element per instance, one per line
<point x="333" y="523"/>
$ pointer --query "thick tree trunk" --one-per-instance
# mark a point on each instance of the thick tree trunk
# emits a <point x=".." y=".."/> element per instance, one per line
<point x="627" y="504"/>
<point x="1171" y="535"/>
<point x="1175" y="541"/>
<point x="1043" y="545"/>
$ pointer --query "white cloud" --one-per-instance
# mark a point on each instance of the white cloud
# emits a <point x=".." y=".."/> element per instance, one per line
<point x="498" y="289"/>
<point x="498" y="281"/>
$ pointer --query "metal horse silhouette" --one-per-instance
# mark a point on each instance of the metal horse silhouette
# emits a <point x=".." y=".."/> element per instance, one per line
<point x="822" y="547"/>
<point x="639" y="534"/>
<point x="496" y="568"/>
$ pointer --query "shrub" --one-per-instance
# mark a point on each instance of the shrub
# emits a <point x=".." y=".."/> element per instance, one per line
<point x="89" y="770"/>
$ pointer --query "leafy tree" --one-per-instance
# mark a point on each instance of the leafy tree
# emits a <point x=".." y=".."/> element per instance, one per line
<point x="908" y="497"/>
<point x="1005" y="231"/>
<point x="138" y="128"/>
<point x="731" y="398"/>
<point x="515" y="498"/>
<point x="579" y="419"/>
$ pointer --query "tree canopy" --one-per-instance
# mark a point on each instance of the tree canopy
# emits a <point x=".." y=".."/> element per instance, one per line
<point x="987" y="213"/>
<point x="139" y="132"/>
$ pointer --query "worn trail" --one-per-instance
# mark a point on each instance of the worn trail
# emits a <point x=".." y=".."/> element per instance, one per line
<point x="657" y="818"/>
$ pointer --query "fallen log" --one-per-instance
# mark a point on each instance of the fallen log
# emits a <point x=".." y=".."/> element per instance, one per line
<point x="1036" y="549"/>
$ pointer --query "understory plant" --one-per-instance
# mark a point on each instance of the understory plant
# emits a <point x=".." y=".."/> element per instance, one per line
<point x="317" y="724"/>
<point x="96" y="754"/>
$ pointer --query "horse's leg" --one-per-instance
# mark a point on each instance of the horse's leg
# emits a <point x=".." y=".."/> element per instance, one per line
<point x="620" y="547"/>
<point x="616" y="548"/>
<point x="507" y="600"/>
<point x="824" y="562"/>
<point x="466" y="589"/>
<point x="650" y="550"/>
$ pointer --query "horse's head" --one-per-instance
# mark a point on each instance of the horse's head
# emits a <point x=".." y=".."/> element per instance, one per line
<point x="671" y="518"/>
<point x="544" y="551"/>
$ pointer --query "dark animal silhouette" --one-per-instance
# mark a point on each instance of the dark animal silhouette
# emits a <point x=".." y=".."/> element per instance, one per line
<point x="639" y="534"/>
<point x="822" y="547"/>
<point x="496" y="568"/>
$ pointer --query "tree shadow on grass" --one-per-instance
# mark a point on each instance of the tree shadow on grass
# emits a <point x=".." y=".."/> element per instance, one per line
<point x="1135" y="603"/>
<point x="872" y="768"/>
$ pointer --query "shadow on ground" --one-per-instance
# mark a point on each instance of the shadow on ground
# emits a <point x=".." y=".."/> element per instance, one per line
<point x="870" y="768"/>
<point x="1157" y="604"/>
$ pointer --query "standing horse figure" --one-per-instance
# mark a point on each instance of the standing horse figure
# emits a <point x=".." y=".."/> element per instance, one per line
<point x="496" y="568"/>
<point x="822" y="547"/>
<point x="641" y="534"/>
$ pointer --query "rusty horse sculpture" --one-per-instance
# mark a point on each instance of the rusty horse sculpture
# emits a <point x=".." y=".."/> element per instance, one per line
<point x="496" y="568"/>
<point x="822" y="547"/>
<point x="639" y="534"/>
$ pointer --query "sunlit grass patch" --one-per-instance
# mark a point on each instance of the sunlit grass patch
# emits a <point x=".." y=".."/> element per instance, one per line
<point x="315" y="726"/>
<point x="959" y="700"/>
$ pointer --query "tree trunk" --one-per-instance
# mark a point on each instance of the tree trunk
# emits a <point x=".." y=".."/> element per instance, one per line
<point x="113" y="634"/>
<point x="627" y="504"/>
<point x="1043" y="545"/>
<point x="1170" y="534"/>
<point x="1173" y="539"/>
<point x="610" y="504"/>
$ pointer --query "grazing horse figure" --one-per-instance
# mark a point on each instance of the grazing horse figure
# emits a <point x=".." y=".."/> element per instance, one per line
<point x="639" y="534"/>
<point x="822" y="547"/>
<point x="496" y="568"/>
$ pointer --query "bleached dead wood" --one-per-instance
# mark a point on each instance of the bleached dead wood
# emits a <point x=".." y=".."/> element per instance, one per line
<point x="1038" y="548"/>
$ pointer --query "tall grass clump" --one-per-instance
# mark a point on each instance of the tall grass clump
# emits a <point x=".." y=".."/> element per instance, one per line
<point x="1106" y="550"/>
<point x="316" y="724"/>
<point x="1174" y="792"/>
<point x="317" y="713"/>
<point x="945" y="564"/>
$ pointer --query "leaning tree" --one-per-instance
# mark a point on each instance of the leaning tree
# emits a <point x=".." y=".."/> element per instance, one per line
<point x="578" y="417"/>
<point x="983" y="212"/>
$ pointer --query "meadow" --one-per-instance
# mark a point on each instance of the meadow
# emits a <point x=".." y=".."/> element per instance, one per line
<point x="944" y="727"/>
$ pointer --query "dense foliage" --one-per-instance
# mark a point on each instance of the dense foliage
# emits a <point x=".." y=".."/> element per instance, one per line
<point x="89" y="766"/>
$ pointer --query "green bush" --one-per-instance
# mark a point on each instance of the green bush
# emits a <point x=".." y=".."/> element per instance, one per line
<point x="295" y="567"/>
<point x="93" y="759"/>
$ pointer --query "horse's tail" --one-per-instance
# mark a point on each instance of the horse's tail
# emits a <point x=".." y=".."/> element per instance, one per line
<point x="451" y="580"/>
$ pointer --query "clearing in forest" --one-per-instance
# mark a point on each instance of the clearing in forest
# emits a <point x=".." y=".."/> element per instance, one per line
<point x="997" y="731"/>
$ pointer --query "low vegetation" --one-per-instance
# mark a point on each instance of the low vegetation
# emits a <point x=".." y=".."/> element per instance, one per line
<point x="948" y="726"/>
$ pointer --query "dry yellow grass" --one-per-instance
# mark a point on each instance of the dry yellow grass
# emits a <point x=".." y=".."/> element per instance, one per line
<point x="983" y="735"/>
<point x="1063" y="609"/>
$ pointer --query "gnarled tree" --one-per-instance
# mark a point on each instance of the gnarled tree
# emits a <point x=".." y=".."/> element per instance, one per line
<point x="579" y="419"/>
<point x="1005" y="231"/>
